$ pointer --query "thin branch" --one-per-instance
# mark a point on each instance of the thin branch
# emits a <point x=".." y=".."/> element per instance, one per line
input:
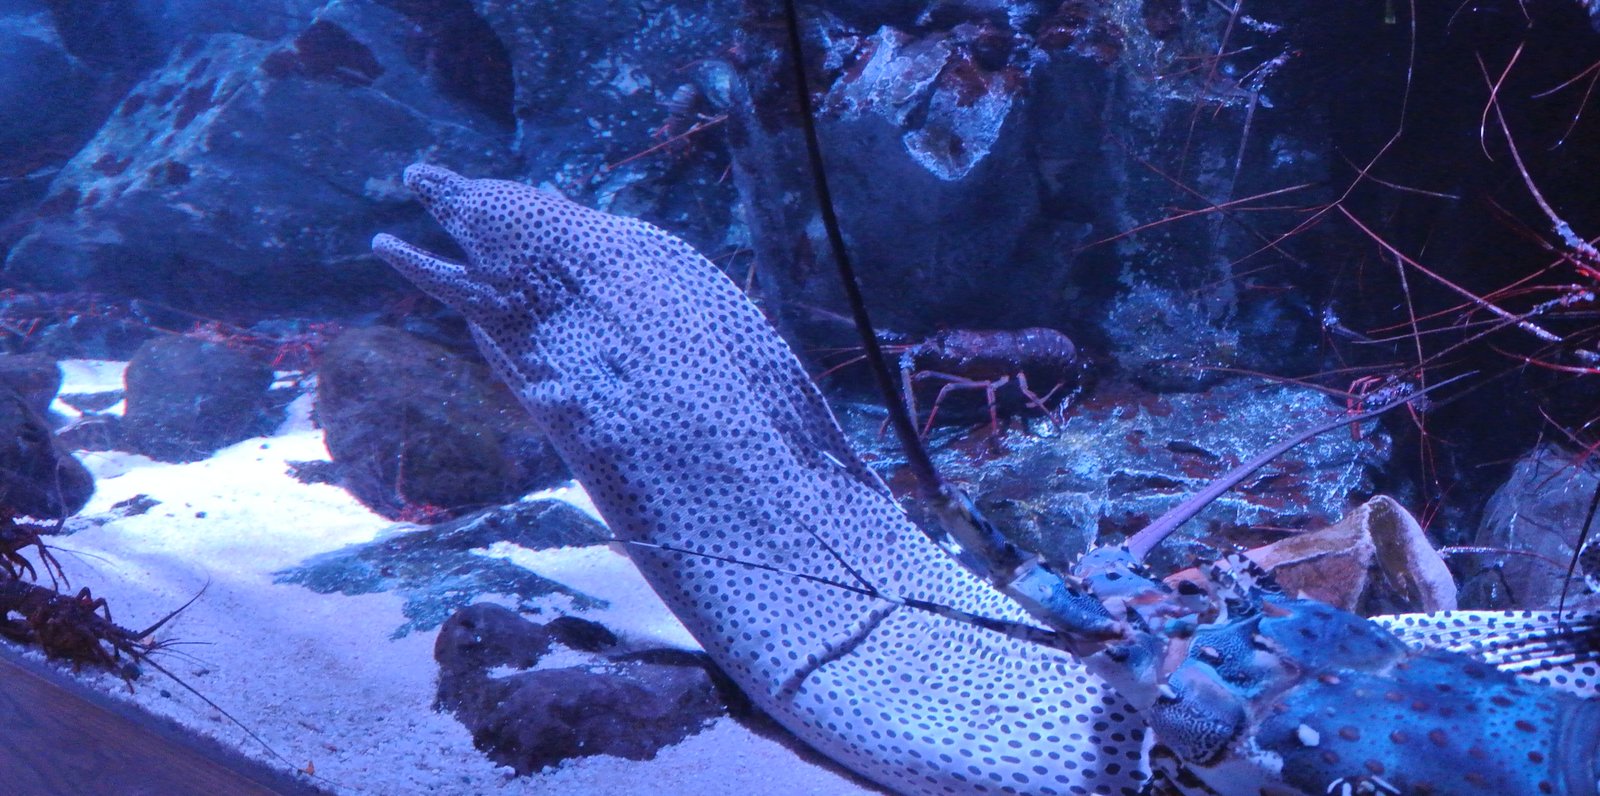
<point x="1471" y="297"/>
<point x="1494" y="97"/>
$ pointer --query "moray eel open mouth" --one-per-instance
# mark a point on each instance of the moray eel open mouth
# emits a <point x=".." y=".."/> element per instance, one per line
<point x="426" y="269"/>
<point x="438" y="190"/>
<point x="407" y="257"/>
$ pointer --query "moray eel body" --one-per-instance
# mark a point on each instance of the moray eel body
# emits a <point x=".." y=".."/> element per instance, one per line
<point x="693" y="426"/>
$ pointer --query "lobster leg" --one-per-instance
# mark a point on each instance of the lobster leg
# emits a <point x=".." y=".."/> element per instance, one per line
<point x="952" y="383"/>
<point x="1037" y="402"/>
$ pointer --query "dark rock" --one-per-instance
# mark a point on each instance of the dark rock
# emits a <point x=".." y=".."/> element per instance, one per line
<point x="314" y="472"/>
<point x="248" y="174"/>
<point x="932" y="141"/>
<point x="613" y="81"/>
<point x="581" y="634"/>
<point x="35" y="63"/>
<point x="92" y="401"/>
<point x="462" y="55"/>
<point x="73" y="325"/>
<point x="987" y="156"/>
<point x="1125" y="456"/>
<point x="436" y="571"/>
<point x="38" y="476"/>
<point x="35" y="377"/>
<point x="93" y="433"/>
<point x="480" y="637"/>
<point x="1532" y="524"/>
<point x="188" y="397"/>
<point x="415" y="427"/>
<point x="537" y="719"/>
<point x="325" y="51"/>
<point x="109" y="35"/>
<point x="1165" y="342"/>
<point x="629" y="705"/>
<point x="181" y="24"/>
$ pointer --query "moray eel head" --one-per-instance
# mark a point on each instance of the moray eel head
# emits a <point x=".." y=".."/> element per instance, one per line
<point x="503" y="227"/>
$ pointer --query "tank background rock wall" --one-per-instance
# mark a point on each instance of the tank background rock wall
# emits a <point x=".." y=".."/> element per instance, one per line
<point x="1155" y="178"/>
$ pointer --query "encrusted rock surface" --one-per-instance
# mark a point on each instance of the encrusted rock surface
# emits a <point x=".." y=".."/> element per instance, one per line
<point x="188" y="397"/>
<point x="624" y="704"/>
<point x="438" y="570"/>
<point x="420" y="432"/>
<point x="243" y="163"/>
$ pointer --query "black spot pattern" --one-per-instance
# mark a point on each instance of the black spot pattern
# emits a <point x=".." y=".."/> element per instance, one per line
<point x="691" y="424"/>
<point x="1326" y="699"/>
<point x="1558" y="650"/>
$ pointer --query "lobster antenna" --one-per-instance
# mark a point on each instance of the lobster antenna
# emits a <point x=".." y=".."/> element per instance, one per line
<point x="1018" y="630"/>
<point x="1141" y="543"/>
<point x="928" y="480"/>
<point x="1577" y="549"/>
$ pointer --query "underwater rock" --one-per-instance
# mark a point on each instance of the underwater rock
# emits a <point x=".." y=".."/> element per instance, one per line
<point x="39" y="477"/>
<point x="93" y="432"/>
<point x="421" y="432"/>
<point x="237" y="176"/>
<point x="987" y="158"/>
<point x="35" y="377"/>
<point x="942" y="193"/>
<point x="111" y="37"/>
<point x="171" y="23"/>
<point x="1165" y="340"/>
<point x="1530" y="528"/>
<point x="89" y="402"/>
<point x="188" y="397"/>
<point x="1124" y="456"/>
<point x="76" y="324"/>
<point x="479" y="637"/>
<point x="35" y="63"/>
<point x="438" y="569"/>
<point x="1374" y="561"/>
<point x="594" y="120"/>
<point x="628" y="705"/>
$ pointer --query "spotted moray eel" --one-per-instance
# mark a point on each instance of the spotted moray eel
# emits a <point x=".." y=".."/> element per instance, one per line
<point x="694" y="427"/>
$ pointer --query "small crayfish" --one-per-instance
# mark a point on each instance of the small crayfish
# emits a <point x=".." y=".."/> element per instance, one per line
<point x="75" y="627"/>
<point x="988" y="359"/>
<point x="78" y="627"/>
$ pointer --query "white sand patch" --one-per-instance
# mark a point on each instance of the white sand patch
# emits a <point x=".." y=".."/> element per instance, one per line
<point x="633" y="612"/>
<point x="89" y="376"/>
<point x="317" y="675"/>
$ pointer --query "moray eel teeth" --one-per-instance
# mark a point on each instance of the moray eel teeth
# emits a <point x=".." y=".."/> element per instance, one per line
<point x="693" y="427"/>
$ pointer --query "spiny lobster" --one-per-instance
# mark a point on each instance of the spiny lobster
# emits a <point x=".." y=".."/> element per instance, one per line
<point x="709" y="451"/>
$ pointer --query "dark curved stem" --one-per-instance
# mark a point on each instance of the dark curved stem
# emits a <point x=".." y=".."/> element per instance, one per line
<point x="1577" y="549"/>
<point x="928" y="480"/>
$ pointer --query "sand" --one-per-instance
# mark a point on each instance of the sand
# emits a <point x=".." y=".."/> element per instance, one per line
<point x="317" y="676"/>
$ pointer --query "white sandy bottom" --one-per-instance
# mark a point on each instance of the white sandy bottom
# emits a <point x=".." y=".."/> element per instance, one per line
<point x="316" y="675"/>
